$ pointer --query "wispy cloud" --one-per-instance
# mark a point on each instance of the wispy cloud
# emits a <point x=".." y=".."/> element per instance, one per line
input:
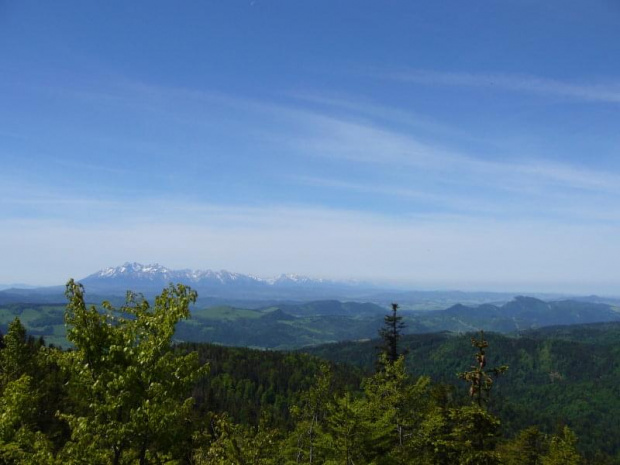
<point x="374" y="111"/>
<point x="455" y="203"/>
<point x="604" y="92"/>
<point x="361" y="134"/>
<point x="561" y="207"/>
<point x="367" y="142"/>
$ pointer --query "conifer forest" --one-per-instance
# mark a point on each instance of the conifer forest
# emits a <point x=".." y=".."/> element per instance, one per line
<point x="126" y="393"/>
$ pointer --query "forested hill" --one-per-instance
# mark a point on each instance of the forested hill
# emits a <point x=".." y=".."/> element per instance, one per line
<point x="521" y="313"/>
<point x="126" y="394"/>
<point x="568" y="374"/>
<point x="287" y="325"/>
<point x="247" y="383"/>
<point x="607" y="333"/>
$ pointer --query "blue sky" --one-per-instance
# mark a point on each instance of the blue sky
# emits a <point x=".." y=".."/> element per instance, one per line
<point x="434" y="144"/>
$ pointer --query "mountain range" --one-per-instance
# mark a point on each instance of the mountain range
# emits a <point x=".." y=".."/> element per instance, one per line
<point x="150" y="279"/>
<point x="230" y="288"/>
<point x="158" y="275"/>
<point x="214" y="287"/>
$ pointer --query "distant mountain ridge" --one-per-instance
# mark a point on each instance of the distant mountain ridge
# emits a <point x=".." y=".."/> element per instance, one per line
<point x="230" y="288"/>
<point x="521" y="313"/>
<point x="157" y="272"/>
<point x="153" y="277"/>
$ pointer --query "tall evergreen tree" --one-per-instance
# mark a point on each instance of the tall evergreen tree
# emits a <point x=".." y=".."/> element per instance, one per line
<point x="391" y="333"/>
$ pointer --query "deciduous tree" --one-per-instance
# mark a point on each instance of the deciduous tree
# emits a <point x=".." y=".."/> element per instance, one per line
<point x="134" y="387"/>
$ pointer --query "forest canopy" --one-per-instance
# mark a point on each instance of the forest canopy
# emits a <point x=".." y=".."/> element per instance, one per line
<point x="125" y="393"/>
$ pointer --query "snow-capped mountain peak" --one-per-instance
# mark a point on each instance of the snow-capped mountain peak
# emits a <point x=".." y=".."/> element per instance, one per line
<point x="155" y="271"/>
<point x="292" y="279"/>
<point x="135" y="269"/>
<point x="153" y="277"/>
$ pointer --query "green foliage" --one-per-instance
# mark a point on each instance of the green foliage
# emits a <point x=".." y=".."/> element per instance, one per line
<point x="563" y="450"/>
<point x="18" y="408"/>
<point x="125" y="395"/>
<point x="395" y="406"/>
<point x="309" y="415"/>
<point x="233" y="444"/>
<point x="247" y="384"/>
<point x="457" y="435"/>
<point x="132" y="388"/>
<point x="527" y="448"/>
<point x="26" y="398"/>
<point x="474" y="433"/>
<point x="347" y="437"/>
<point x="16" y="357"/>
<point x="549" y="380"/>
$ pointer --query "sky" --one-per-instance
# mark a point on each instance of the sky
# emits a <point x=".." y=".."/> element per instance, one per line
<point x="434" y="145"/>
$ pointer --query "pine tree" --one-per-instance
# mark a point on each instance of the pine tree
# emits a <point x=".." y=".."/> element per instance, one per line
<point x="391" y="333"/>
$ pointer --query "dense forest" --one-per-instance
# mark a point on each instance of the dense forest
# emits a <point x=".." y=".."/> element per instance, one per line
<point x="125" y="393"/>
<point x="558" y="375"/>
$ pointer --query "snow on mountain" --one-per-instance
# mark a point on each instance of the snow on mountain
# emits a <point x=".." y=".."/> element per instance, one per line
<point x="132" y="272"/>
<point x="293" y="279"/>
<point x="151" y="279"/>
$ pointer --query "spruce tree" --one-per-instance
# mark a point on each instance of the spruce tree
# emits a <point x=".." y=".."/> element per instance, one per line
<point x="391" y="333"/>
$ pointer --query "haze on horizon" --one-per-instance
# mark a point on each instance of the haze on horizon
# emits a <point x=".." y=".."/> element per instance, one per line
<point x="442" y="145"/>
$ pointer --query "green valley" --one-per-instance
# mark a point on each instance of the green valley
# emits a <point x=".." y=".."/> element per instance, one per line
<point x="292" y="325"/>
